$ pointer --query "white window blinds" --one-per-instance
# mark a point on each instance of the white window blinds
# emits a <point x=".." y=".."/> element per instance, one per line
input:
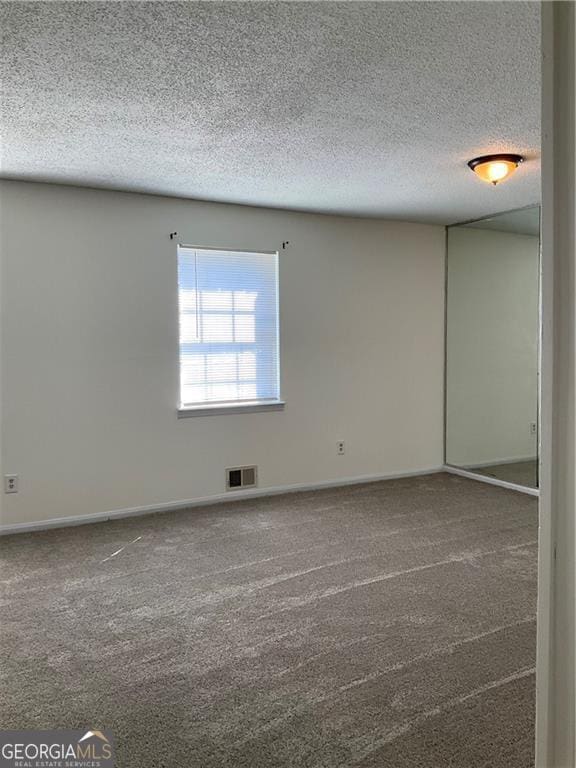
<point x="228" y="327"/>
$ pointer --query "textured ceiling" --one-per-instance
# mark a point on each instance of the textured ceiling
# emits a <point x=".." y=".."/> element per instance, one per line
<point x="361" y="108"/>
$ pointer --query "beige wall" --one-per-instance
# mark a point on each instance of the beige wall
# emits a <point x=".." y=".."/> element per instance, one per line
<point x="90" y="351"/>
<point x="492" y="346"/>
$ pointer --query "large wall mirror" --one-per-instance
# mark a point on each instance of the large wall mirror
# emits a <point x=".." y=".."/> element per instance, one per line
<point x="492" y="340"/>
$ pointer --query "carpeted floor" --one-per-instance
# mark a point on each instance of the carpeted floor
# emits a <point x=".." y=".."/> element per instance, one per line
<point x="519" y="472"/>
<point x="389" y="624"/>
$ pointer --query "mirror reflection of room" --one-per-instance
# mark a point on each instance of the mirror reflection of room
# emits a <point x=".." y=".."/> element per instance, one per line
<point x="492" y="347"/>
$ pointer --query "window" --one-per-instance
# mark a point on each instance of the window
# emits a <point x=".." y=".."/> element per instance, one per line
<point x="228" y="328"/>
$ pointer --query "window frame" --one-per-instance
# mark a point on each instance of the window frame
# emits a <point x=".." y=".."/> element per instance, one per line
<point x="231" y="407"/>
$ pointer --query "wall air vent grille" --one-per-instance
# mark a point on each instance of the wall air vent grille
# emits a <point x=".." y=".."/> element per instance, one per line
<point x="241" y="477"/>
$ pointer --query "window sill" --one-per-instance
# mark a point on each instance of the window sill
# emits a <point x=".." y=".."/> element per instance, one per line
<point x="216" y="410"/>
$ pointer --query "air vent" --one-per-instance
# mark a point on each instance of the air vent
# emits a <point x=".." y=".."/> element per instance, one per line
<point x="241" y="477"/>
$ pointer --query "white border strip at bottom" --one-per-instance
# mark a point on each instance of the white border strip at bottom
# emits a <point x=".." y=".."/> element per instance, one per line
<point x="516" y="460"/>
<point x="491" y="480"/>
<point x="100" y="517"/>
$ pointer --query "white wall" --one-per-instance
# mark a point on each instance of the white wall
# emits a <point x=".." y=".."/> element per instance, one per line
<point x="492" y="345"/>
<point x="90" y="345"/>
<point x="556" y="647"/>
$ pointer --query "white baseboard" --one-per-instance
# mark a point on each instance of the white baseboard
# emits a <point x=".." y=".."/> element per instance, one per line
<point x="491" y="480"/>
<point x="515" y="460"/>
<point x="100" y="517"/>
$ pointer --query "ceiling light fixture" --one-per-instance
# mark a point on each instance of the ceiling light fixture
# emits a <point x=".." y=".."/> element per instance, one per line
<point x="495" y="168"/>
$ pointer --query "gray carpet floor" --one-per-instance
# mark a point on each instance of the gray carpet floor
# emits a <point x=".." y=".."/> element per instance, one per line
<point x="389" y="624"/>
<point x="519" y="472"/>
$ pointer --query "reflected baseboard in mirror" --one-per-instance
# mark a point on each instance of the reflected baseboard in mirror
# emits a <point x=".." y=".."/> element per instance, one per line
<point x="492" y="347"/>
<point x="519" y="472"/>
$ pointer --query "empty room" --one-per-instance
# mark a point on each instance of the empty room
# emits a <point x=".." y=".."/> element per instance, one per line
<point x="272" y="348"/>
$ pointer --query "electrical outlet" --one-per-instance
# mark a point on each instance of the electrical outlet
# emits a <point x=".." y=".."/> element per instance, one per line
<point x="340" y="447"/>
<point x="533" y="427"/>
<point x="10" y="483"/>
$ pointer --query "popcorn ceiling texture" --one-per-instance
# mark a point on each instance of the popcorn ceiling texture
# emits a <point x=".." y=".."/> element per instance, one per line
<point x="367" y="109"/>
